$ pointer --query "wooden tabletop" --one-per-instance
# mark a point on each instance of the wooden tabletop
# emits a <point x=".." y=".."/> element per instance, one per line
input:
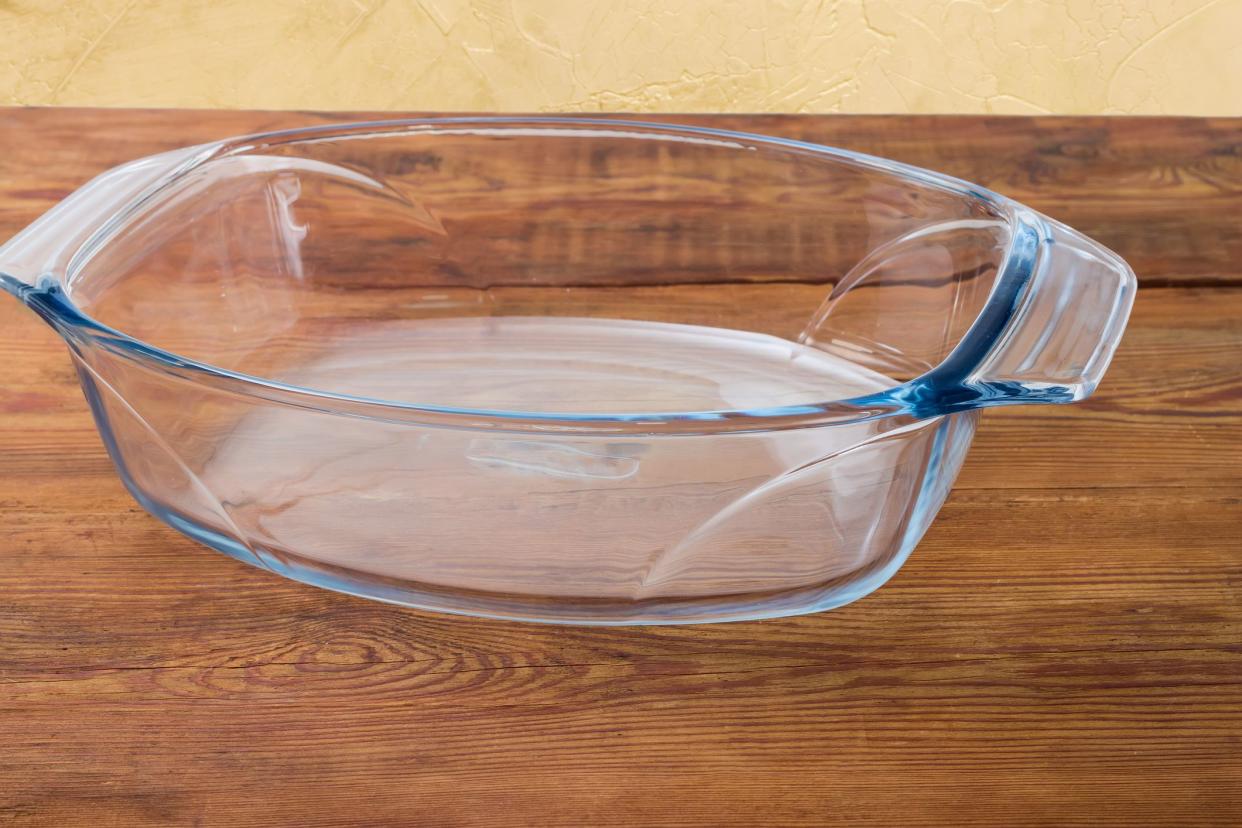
<point x="1063" y="648"/>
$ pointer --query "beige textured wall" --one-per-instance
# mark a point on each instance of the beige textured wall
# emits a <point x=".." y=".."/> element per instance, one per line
<point x="1006" y="56"/>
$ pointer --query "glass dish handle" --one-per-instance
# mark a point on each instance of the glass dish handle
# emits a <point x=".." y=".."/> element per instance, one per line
<point x="1066" y="325"/>
<point x="45" y="246"/>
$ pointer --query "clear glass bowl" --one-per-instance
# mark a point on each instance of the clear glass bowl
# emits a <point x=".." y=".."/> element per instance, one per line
<point x="558" y="369"/>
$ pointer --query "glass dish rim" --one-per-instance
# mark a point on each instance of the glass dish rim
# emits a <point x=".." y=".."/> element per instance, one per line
<point x="943" y="389"/>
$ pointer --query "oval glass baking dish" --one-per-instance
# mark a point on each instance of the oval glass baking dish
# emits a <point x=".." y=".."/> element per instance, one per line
<point x="558" y="369"/>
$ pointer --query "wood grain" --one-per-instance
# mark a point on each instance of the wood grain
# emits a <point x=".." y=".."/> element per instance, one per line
<point x="1062" y="649"/>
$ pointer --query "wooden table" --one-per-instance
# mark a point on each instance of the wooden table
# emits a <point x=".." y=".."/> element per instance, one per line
<point x="1064" y="648"/>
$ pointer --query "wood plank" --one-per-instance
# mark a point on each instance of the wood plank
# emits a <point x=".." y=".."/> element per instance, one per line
<point x="1094" y="555"/>
<point x="1169" y="413"/>
<point x="1062" y="648"/>
<point x="1165" y="193"/>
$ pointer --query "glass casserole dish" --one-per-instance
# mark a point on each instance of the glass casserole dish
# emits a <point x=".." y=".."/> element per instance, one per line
<point x="558" y="369"/>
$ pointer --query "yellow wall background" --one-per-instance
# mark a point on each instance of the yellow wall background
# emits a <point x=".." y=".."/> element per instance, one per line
<point x="1003" y="56"/>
